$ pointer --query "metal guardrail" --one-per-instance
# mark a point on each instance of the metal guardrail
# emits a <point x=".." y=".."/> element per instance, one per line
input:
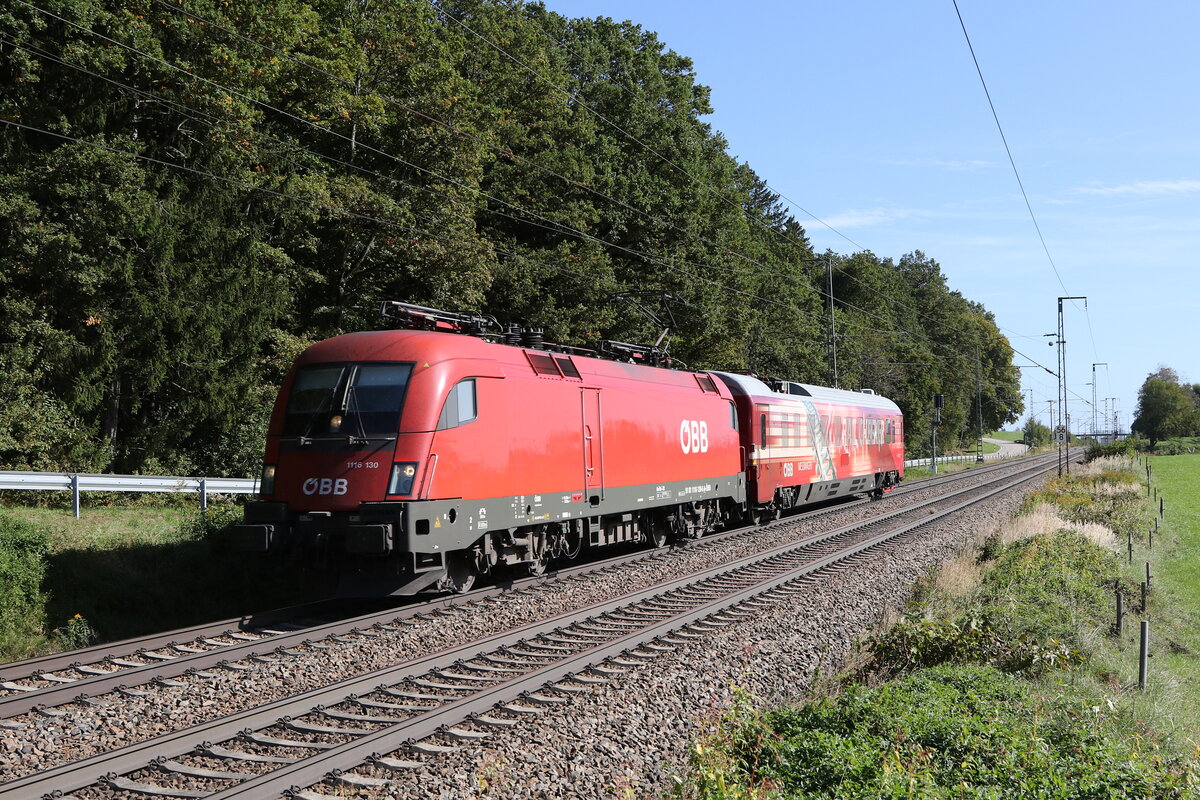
<point x="924" y="462"/>
<point x="78" y="483"/>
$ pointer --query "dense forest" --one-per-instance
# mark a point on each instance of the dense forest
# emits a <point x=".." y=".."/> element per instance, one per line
<point x="189" y="197"/>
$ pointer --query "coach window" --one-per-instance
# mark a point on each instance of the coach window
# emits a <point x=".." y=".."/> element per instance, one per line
<point x="460" y="406"/>
<point x="732" y="417"/>
<point x="762" y="424"/>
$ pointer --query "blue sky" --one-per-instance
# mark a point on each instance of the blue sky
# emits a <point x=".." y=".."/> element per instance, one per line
<point x="870" y="115"/>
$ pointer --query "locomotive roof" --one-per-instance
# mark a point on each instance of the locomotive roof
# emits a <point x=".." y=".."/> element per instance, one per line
<point x="393" y="345"/>
<point x="435" y="346"/>
<point x="753" y="387"/>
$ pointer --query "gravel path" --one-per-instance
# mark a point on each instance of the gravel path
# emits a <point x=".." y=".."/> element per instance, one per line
<point x="1008" y="449"/>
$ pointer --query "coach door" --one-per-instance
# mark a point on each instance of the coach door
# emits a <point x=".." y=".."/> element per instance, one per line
<point x="593" y="447"/>
<point x="763" y="471"/>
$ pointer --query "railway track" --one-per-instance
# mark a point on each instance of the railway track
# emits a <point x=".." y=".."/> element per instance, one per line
<point x="428" y="705"/>
<point x="81" y="676"/>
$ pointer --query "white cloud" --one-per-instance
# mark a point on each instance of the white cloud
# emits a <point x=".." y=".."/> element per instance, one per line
<point x="1144" y="189"/>
<point x="854" y="218"/>
<point x="970" y="165"/>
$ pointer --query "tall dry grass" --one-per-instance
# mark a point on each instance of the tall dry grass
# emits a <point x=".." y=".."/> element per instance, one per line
<point x="959" y="578"/>
<point x="1045" y="518"/>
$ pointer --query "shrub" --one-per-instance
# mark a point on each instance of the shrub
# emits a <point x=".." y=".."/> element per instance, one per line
<point x="1121" y="447"/>
<point x="946" y="732"/>
<point x="1102" y="492"/>
<point x="1049" y="587"/>
<point x="210" y="524"/>
<point x="76" y="634"/>
<point x="915" y="643"/>
<point x="24" y="549"/>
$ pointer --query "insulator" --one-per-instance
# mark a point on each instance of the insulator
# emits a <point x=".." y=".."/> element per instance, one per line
<point x="532" y="338"/>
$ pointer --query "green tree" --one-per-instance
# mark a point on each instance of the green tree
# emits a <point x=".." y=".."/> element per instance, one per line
<point x="1035" y="433"/>
<point x="1165" y="408"/>
<point x="244" y="178"/>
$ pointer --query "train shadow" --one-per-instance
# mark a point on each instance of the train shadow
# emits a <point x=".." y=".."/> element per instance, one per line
<point x="145" y="588"/>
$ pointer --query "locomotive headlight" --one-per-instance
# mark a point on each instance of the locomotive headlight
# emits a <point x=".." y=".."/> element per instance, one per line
<point x="403" y="473"/>
<point x="267" y="484"/>
<point x="335" y="423"/>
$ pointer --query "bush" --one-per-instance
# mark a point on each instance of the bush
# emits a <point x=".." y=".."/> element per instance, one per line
<point x="947" y="732"/>
<point x="1121" y="447"/>
<point x="1103" y="492"/>
<point x="75" y="635"/>
<point x="1049" y="588"/>
<point x="211" y="524"/>
<point x="916" y="643"/>
<point x="24" y="549"/>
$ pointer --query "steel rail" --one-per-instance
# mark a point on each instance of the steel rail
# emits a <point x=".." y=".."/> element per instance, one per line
<point x="71" y="777"/>
<point x="96" y="654"/>
<point x="182" y="661"/>
<point x="333" y="763"/>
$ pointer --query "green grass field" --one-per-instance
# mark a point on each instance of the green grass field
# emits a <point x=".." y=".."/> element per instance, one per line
<point x="1175" y="603"/>
<point x="1007" y="436"/>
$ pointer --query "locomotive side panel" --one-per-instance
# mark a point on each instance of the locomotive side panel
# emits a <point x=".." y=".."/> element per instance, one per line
<point x="612" y="440"/>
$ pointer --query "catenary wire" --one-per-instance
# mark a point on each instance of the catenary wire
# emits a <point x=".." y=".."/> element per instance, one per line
<point x="788" y="237"/>
<point x="553" y="225"/>
<point x="558" y="226"/>
<point x="505" y="151"/>
<point x="624" y="89"/>
<point x="1016" y="172"/>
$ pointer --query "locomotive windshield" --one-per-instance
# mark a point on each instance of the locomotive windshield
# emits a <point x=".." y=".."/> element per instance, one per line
<point x="347" y="400"/>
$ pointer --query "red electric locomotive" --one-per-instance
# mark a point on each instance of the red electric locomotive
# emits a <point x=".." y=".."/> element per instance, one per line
<point x="417" y="458"/>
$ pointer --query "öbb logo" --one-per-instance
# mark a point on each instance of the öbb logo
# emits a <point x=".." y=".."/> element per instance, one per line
<point x="693" y="436"/>
<point x="326" y="486"/>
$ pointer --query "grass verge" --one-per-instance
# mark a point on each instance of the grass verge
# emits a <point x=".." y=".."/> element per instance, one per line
<point x="1004" y="678"/>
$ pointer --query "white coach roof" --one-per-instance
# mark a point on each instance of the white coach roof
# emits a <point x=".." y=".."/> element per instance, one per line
<point x="756" y="388"/>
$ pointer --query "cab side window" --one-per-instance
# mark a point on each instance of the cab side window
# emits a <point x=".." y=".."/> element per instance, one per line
<point x="460" y="406"/>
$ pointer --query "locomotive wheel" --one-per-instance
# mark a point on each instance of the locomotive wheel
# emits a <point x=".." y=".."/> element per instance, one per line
<point x="658" y="530"/>
<point x="460" y="574"/>
<point x="761" y="516"/>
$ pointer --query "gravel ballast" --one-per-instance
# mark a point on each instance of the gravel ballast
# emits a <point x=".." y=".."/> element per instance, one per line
<point x="629" y="739"/>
